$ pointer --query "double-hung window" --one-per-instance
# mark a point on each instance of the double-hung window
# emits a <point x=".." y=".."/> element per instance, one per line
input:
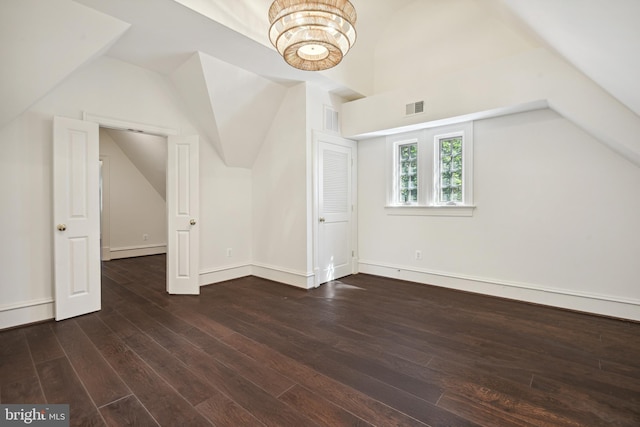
<point x="432" y="171"/>
<point x="407" y="166"/>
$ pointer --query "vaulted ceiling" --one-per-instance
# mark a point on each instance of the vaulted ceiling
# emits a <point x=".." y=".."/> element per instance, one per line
<point x="217" y="54"/>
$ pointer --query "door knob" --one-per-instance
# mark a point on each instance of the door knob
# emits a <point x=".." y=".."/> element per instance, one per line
<point x="321" y="219"/>
<point x="192" y="222"/>
<point x="62" y="227"/>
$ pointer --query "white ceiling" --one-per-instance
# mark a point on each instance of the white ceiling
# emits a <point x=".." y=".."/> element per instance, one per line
<point x="600" y="38"/>
<point x="165" y="33"/>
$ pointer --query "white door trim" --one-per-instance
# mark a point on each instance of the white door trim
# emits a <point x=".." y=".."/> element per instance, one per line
<point x="111" y="123"/>
<point x="105" y="217"/>
<point x="318" y="137"/>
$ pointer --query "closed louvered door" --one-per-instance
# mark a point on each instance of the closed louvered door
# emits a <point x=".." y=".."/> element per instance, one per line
<point x="335" y="211"/>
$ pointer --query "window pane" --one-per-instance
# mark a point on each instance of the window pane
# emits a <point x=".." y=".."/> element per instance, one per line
<point x="450" y="179"/>
<point x="408" y="173"/>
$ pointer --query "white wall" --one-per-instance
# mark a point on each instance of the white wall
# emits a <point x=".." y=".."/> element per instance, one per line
<point x="556" y="220"/>
<point x="280" y="196"/>
<point x="108" y="88"/>
<point x="135" y="208"/>
<point x="225" y="218"/>
<point x="26" y="291"/>
<point x="283" y="188"/>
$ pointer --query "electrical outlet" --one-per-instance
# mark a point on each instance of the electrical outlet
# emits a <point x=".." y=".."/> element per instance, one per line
<point x="229" y="252"/>
<point x="418" y="255"/>
<point x="145" y="237"/>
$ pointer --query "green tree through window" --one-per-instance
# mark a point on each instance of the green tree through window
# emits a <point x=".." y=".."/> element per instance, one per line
<point x="408" y="173"/>
<point x="450" y="178"/>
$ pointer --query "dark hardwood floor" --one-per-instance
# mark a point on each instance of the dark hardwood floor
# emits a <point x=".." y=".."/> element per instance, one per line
<point x="360" y="351"/>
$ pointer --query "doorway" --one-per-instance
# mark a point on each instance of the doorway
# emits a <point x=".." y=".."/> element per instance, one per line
<point x="133" y="196"/>
<point x="77" y="211"/>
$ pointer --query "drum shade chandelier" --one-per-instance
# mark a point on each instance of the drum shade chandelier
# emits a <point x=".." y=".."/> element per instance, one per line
<point x="312" y="35"/>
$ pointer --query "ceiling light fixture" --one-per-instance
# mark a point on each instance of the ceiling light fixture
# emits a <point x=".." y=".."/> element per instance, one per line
<point x="312" y="35"/>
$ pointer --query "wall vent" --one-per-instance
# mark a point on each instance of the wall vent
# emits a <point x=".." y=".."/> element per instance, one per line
<point x="331" y="120"/>
<point x="415" y="108"/>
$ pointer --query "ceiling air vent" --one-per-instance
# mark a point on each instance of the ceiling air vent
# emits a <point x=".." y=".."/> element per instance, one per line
<point x="415" y="108"/>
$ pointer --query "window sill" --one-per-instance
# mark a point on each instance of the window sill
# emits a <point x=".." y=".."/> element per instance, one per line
<point x="421" y="210"/>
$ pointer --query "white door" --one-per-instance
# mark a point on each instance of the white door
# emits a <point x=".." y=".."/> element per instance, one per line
<point x="182" y="215"/>
<point x="336" y="206"/>
<point x="76" y="217"/>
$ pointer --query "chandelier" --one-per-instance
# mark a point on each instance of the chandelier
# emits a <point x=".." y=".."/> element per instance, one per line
<point x="312" y="35"/>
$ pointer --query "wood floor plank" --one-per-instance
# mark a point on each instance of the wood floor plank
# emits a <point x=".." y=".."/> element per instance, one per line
<point x="25" y="390"/>
<point x="174" y="372"/>
<point x="266" y="408"/>
<point x="224" y="412"/>
<point x="272" y="382"/>
<point x="481" y="414"/>
<point x="204" y="323"/>
<point x="15" y="357"/>
<point x="590" y="406"/>
<point x="504" y="407"/>
<point x="127" y="411"/>
<point x="320" y="410"/>
<point x="101" y="381"/>
<point x="334" y="391"/>
<point x="162" y="401"/>
<point x="43" y="343"/>
<point x="61" y="385"/>
<point x="255" y="371"/>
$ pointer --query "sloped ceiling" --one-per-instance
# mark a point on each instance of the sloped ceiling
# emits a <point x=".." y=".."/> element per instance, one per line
<point x="38" y="51"/>
<point x="148" y="153"/>
<point x="353" y="78"/>
<point x="600" y="38"/>
<point x="191" y="83"/>
<point x="448" y="37"/>
<point x="42" y="42"/>
<point x="235" y="107"/>
<point x="165" y="33"/>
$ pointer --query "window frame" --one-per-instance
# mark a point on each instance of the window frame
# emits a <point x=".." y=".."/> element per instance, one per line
<point x="393" y="182"/>
<point x="397" y="165"/>
<point x="428" y="170"/>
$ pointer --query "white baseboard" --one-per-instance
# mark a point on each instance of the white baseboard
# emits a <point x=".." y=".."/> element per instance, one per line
<point x="26" y="312"/>
<point x="623" y="308"/>
<point x="222" y="274"/>
<point x="298" y="279"/>
<point x="134" y="251"/>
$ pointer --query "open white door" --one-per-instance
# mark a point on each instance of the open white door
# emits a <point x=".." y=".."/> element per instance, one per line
<point x="335" y="207"/>
<point x="182" y="215"/>
<point x="76" y="217"/>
